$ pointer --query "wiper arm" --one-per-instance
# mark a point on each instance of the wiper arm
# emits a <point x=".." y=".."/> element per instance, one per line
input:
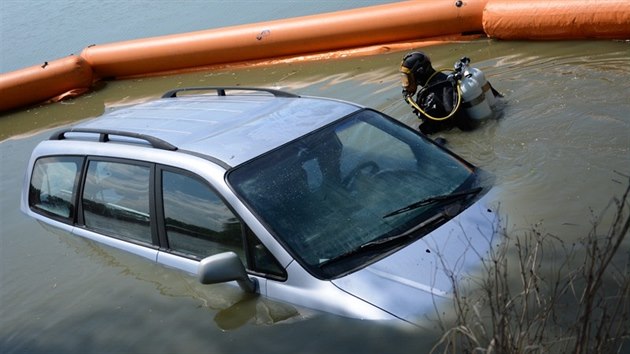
<point x="386" y="241"/>
<point x="368" y="246"/>
<point x="434" y="199"/>
<point x="380" y="243"/>
<point x="412" y="231"/>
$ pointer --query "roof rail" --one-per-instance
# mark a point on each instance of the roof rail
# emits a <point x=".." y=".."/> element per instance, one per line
<point x="105" y="133"/>
<point x="221" y="91"/>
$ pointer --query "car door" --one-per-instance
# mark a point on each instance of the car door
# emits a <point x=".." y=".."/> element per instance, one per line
<point x="116" y="206"/>
<point x="196" y="222"/>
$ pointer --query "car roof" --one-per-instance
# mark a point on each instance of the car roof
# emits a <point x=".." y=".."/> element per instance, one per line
<point x="232" y="128"/>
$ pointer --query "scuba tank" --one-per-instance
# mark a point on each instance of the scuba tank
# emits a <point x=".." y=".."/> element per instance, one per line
<point x="463" y="66"/>
<point x="475" y="100"/>
<point x="479" y="76"/>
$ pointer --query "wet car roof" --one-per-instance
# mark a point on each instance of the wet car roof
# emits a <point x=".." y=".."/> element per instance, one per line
<point x="232" y="128"/>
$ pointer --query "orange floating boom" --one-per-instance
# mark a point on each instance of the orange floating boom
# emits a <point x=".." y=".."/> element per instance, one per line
<point x="557" y="19"/>
<point x="388" y="23"/>
<point x="403" y="22"/>
<point x="43" y="82"/>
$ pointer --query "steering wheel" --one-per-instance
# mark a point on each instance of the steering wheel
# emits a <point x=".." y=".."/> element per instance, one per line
<point x="365" y="168"/>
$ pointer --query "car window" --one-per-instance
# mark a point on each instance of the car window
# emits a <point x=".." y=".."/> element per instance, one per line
<point x="53" y="186"/>
<point x="116" y="199"/>
<point x="261" y="260"/>
<point x="197" y="222"/>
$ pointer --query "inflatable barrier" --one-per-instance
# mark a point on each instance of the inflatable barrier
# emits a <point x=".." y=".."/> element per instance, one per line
<point x="62" y="77"/>
<point x="344" y="29"/>
<point x="557" y="19"/>
<point x="390" y="24"/>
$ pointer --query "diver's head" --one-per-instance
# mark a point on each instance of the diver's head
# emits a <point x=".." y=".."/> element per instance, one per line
<point x="419" y="64"/>
<point x="416" y="69"/>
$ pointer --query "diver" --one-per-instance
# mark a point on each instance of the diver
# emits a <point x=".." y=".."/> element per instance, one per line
<point x="461" y="98"/>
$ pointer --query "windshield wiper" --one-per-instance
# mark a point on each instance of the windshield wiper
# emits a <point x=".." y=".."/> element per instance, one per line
<point x="386" y="242"/>
<point x="434" y="199"/>
<point x="381" y="243"/>
<point x="348" y="254"/>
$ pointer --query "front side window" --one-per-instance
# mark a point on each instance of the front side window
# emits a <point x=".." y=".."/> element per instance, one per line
<point x="116" y="199"/>
<point x="197" y="222"/>
<point x="261" y="260"/>
<point x="329" y="194"/>
<point x="53" y="186"/>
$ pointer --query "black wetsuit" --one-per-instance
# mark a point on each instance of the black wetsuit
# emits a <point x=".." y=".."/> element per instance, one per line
<point x="438" y="100"/>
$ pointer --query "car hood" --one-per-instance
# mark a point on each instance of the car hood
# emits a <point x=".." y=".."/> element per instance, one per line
<point x="412" y="281"/>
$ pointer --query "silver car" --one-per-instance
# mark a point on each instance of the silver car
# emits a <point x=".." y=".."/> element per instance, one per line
<point x="317" y="202"/>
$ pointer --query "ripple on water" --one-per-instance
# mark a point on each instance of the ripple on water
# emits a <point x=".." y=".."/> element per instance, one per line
<point x="562" y="135"/>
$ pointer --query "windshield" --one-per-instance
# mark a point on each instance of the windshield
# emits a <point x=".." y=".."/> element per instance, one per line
<point x="327" y="194"/>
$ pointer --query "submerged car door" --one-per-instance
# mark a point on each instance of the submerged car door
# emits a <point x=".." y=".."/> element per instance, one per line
<point x="115" y="206"/>
<point x="195" y="223"/>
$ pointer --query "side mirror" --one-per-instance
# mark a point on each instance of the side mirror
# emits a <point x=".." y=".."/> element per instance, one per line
<point x="224" y="267"/>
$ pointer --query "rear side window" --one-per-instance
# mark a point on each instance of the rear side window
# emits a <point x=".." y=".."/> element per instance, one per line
<point x="116" y="199"/>
<point x="53" y="186"/>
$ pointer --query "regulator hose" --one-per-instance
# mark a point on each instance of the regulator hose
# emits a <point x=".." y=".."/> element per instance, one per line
<point x="459" y="100"/>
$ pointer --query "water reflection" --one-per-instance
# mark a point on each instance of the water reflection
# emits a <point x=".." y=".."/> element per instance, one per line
<point x="115" y="296"/>
<point x="234" y="307"/>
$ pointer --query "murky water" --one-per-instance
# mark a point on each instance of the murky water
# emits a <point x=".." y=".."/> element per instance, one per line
<point x="560" y="150"/>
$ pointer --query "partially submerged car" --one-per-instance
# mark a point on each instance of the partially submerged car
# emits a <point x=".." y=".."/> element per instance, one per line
<point x="317" y="202"/>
